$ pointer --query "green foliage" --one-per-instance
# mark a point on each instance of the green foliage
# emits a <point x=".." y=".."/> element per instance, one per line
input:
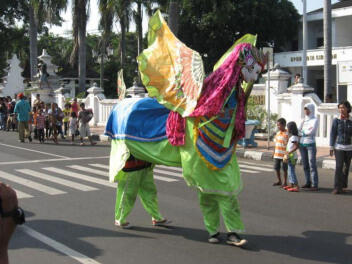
<point x="211" y="26"/>
<point x="258" y="112"/>
<point x="81" y="95"/>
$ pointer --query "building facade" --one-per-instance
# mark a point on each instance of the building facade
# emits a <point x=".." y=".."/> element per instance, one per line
<point x="291" y="61"/>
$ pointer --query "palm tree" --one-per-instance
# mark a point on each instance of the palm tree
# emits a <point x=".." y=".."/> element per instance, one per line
<point x="39" y="12"/>
<point x="79" y="24"/>
<point x="106" y="20"/>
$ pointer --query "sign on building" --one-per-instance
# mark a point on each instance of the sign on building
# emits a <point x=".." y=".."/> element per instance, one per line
<point x="344" y="72"/>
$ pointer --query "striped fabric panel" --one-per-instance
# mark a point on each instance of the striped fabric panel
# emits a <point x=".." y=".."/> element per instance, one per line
<point x="211" y="138"/>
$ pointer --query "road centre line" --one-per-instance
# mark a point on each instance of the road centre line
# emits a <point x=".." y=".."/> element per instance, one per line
<point x="58" y="246"/>
<point x="30" y="184"/>
<point x="33" y="150"/>
<point x="46" y="177"/>
<point x="49" y="160"/>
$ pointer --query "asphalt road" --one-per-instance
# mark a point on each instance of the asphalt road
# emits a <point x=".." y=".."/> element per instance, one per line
<point x="69" y="204"/>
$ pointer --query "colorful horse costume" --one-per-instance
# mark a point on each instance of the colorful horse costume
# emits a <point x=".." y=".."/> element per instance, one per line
<point x="190" y="122"/>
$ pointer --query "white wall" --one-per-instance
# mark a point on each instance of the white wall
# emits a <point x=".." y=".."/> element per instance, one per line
<point x="343" y="32"/>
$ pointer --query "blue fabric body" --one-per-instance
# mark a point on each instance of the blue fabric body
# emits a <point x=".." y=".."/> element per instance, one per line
<point x="138" y="119"/>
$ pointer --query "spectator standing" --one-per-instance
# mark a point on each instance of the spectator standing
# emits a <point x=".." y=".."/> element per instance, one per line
<point x="22" y="110"/>
<point x="66" y="120"/>
<point x="40" y="121"/>
<point x="281" y="139"/>
<point x="73" y="126"/>
<point x="11" y="119"/>
<point x="308" y="149"/>
<point x="291" y="156"/>
<point x="84" y="117"/>
<point x="34" y="120"/>
<point x="3" y="113"/>
<point x="53" y="114"/>
<point x="74" y="106"/>
<point x="37" y="101"/>
<point x="341" y="145"/>
<point x="47" y="121"/>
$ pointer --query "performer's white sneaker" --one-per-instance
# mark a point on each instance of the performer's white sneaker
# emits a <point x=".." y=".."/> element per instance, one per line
<point x="125" y="225"/>
<point x="163" y="222"/>
<point x="214" y="238"/>
<point x="236" y="240"/>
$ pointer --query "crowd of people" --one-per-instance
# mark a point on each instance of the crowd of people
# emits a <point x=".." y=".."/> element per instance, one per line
<point x="302" y="138"/>
<point x="45" y="121"/>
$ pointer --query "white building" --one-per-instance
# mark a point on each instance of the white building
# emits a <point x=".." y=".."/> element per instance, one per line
<point x="291" y="61"/>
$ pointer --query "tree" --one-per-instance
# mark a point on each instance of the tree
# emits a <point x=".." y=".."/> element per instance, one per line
<point x="174" y="15"/>
<point x="79" y="24"/>
<point x="39" y="12"/>
<point x="211" y="26"/>
<point x="106" y="20"/>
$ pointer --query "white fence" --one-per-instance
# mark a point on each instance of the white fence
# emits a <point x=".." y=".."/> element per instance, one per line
<point x="96" y="101"/>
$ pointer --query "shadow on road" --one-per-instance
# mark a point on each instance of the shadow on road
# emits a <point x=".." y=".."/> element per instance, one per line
<point x="321" y="246"/>
<point x="70" y="234"/>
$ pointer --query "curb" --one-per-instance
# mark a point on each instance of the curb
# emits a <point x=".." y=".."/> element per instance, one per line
<point x="249" y="154"/>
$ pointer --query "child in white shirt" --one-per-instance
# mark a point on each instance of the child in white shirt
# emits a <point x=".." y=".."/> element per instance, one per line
<point x="291" y="156"/>
<point x="73" y="126"/>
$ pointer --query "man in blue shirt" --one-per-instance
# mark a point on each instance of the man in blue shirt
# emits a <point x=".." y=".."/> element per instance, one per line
<point x="22" y="110"/>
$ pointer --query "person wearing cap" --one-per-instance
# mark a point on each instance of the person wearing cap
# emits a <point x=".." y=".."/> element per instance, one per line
<point x="22" y="109"/>
<point x="307" y="147"/>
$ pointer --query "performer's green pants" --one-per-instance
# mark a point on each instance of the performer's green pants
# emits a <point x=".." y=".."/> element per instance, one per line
<point x="213" y="204"/>
<point x="139" y="182"/>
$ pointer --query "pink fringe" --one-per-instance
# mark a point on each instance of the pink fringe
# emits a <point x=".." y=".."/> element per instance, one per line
<point x="217" y="87"/>
<point x="175" y="129"/>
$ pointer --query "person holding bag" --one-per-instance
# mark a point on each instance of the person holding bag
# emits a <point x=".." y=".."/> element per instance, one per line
<point x="341" y="146"/>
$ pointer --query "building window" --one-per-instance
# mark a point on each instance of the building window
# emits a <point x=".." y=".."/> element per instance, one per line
<point x="320" y="42"/>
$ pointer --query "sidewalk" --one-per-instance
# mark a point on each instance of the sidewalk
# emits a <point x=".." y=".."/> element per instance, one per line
<point x="261" y="152"/>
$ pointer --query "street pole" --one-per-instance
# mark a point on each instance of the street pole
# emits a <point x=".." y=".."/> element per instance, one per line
<point x="327" y="50"/>
<point x="268" y="106"/>
<point x="305" y="43"/>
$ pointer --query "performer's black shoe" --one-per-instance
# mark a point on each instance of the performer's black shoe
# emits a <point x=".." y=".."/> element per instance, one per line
<point x="214" y="238"/>
<point x="163" y="222"/>
<point x="236" y="240"/>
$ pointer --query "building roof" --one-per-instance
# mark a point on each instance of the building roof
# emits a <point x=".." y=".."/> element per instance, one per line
<point x="340" y="4"/>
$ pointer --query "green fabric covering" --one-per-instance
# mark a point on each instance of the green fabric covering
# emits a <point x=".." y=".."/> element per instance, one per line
<point x="135" y="183"/>
<point x="212" y="205"/>
<point x="226" y="181"/>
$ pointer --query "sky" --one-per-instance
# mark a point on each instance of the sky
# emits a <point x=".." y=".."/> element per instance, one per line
<point x="92" y="27"/>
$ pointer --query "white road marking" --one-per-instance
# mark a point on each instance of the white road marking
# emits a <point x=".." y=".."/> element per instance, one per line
<point x="86" y="169"/>
<point x="255" y="164"/>
<point x="71" y="184"/>
<point x="58" y="246"/>
<point x="102" y="166"/>
<point x="249" y="171"/>
<point x="254" y="167"/>
<point x="32" y="150"/>
<point x="161" y="178"/>
<point x="22" y="195"/>
<point x="81" y="176"/>
<point x="168" y="173"/>
<point x="169" y="168"/>
<point x="48" y="160"/>
<point x="30" y="184"/>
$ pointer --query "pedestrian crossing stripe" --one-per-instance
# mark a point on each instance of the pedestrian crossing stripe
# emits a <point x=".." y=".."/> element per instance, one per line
<point x="102" y="166"/>
<point x="86" y="169"/>
<point x="81" y="176"/>
<point x="46" y="177"/>
<point x="161" y="173"/>
<point x="30" y="184"/>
